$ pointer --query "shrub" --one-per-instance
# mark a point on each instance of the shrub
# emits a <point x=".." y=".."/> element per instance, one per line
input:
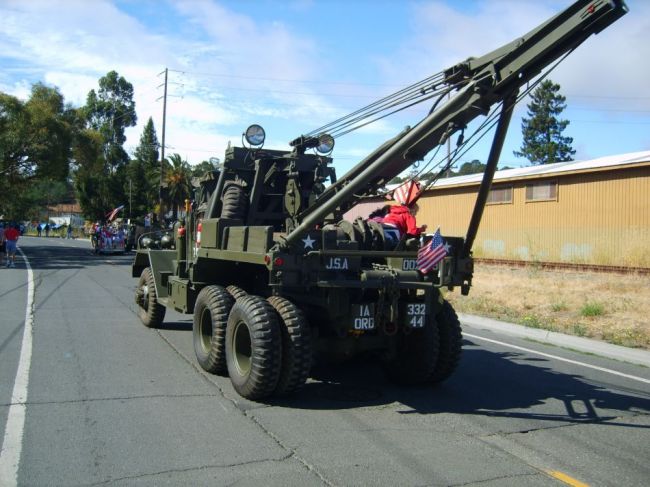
<point x="592" y="308"/>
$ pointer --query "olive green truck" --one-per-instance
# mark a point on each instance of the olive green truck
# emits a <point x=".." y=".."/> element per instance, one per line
<point x="275" y="276"/>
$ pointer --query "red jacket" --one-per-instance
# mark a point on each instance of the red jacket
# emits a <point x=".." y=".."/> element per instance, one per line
<point x="12" y="234"/>
<point x="401" y="217"/>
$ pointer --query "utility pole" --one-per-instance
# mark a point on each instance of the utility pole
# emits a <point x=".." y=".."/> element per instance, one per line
<point x="162" y="152"/>
<point x="130" y="200"/>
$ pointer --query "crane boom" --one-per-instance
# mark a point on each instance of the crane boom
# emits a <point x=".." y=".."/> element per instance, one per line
<point x="479" y="84"/>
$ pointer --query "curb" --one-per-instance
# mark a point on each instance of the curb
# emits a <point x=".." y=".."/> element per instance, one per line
<point x="616" y="352"/>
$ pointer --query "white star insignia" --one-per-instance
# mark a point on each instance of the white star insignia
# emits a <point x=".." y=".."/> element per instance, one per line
<point x="309" y="242"/>
<point x="447" y="247"/>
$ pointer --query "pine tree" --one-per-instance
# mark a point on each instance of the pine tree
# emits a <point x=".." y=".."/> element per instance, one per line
<point x="147" y="167"/>
<point x="147" y="151"/>
<point x="543" y="140"/>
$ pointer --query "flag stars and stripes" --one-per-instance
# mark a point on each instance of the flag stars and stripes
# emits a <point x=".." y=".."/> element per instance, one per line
<point x="432" y="252"/>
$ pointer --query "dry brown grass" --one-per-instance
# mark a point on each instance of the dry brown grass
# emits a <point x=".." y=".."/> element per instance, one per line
<point x="610" y="307"/>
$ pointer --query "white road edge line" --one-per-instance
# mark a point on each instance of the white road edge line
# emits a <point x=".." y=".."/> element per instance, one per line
<point x="562" y="359"/>
<point x="12" y="444"/>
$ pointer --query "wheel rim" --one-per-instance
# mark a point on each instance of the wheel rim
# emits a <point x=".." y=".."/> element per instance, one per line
<point x="205" y="330"/>
<point x="242" y="347"/>
<point x="145" y="297"/>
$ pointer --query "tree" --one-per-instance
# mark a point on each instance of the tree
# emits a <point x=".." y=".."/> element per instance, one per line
<point x="101" y="176"/>
<point x="35" y="138"/>
<point x="473" y="167"/>
<point x="177" y="180"/>
<point x="543" y="141"/>
<point x="143" y="172"/>
<point x="110" y="111"/>
<point x="89" y="170"/>
<point x="203" y="168"/>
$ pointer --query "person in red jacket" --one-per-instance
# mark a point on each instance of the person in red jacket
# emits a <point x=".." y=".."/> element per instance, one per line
<point x="401" y="217"/>
<point x="11" y="237"/>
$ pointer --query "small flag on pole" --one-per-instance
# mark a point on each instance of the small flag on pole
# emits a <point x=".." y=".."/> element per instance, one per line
<point x="113" y="213"/>
<point x="431" y="253"/>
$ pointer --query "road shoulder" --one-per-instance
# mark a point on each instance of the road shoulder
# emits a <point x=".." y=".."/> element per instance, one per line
<point x="586" y="345"/>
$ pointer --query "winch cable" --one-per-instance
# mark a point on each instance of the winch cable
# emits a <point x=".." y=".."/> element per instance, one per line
<point x="402" y="100"/>
<point x="418" y="87"/>
<point x="488" y="123"/>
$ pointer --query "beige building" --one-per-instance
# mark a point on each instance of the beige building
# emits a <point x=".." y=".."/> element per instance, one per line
<point x="589" y="212"/>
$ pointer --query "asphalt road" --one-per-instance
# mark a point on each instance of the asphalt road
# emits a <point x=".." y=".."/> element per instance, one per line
<point x="112" y="402"/>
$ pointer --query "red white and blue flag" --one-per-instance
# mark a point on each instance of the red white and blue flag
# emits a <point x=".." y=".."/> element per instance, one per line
<point x="408" y="192"/>
<point x="431" y="253"/>
<point x="113" y="213"/>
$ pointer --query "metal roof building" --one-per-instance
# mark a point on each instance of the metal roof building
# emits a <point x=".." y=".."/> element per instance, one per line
<point x="586" y="212"/>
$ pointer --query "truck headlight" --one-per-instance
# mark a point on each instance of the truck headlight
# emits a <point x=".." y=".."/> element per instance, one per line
<point x="255" y="135"/>
<point x="325" y="144"/>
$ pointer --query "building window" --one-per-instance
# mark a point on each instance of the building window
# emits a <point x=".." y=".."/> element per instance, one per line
<point x="501" y="195"/>
<point x="544" y="191"/>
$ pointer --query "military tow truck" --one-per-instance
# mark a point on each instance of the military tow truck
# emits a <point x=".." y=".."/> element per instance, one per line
<point x="272" y="272"/>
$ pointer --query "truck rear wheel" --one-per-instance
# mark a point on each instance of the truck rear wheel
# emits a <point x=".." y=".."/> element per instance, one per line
<point x="211" y="311"/>
<point x="253" y="347"/>
<point x="451" y="341"/>
<point x="236" y="292"/>
<point x="416" y="356"/>
<point x="296" y="346"/>
<point x="150" y="312"/>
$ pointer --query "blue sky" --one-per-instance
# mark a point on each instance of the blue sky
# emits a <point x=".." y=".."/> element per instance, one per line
<point x="292" y="66"/>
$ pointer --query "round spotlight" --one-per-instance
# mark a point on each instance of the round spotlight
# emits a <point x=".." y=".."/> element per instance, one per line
<point x="325" y="144"/>
<point x="255" y="135"/>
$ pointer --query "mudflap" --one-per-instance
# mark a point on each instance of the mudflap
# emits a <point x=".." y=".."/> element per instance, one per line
<point x="140" y="261"/>
<point x="162" y="268"/>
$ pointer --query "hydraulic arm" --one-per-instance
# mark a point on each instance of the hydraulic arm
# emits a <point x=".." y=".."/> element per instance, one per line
<point x="477" y="85"/>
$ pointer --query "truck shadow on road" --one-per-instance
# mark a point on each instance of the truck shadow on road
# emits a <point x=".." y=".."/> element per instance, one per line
<point x="68" y="257"/>
<point x="506" y="384"/>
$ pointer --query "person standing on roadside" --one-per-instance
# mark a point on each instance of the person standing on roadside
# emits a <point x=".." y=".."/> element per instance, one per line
<point x="11" y="237"/>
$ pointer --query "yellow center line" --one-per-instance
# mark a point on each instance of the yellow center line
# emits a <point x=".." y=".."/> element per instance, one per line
<point x="565" y="478"/>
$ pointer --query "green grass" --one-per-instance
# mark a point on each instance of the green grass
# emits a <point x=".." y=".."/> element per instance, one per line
<point x="626" y="337"/>
<point x="532" y="321"/>
<point x="579" y="329"/>
<point x="592" y="308"/>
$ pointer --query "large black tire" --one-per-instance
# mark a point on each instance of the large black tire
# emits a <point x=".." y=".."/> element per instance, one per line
<point x="150" y="312"/>
<point x="253" y="347"/>
<point x="451" y="342"/>
<point x="234" y="203"/>
<point x="211" y="311"/>
<point x="296" y="346"/>
<point x="416" y="356"/>
<point x="236" y="292"/>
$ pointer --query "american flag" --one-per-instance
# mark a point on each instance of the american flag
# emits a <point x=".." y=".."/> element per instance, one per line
<point x="113" y="213"/>
<point x="431" y="253"/>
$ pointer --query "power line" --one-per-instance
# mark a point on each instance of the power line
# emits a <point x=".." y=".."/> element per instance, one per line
<point x="259" y="78"/>
<point x="357" y="83"/>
